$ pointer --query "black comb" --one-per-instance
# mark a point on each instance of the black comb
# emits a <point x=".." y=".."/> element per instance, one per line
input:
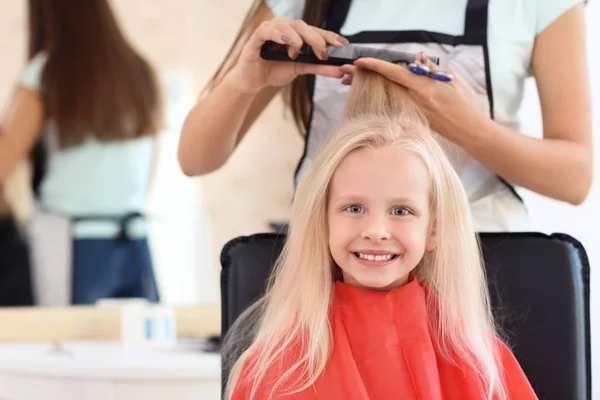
<point x="337" y="55"/>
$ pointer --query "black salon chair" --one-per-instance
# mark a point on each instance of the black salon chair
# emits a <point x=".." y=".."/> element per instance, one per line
<point x="540" y="295"/>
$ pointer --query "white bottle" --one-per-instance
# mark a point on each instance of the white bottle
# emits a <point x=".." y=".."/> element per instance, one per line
<point x="135" y="329"/>
<point x="164" y="327"/>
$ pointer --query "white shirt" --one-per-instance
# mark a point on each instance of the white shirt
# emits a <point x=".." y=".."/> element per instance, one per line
<point x="94" y="178"/>
<point x="512" y="28"/>
<point x="511" y="31"/>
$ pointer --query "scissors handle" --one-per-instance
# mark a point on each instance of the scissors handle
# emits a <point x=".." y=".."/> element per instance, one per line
<point x="423" y="70"/>
<point x="419" y="69"/>
<point x="442" y="76"/>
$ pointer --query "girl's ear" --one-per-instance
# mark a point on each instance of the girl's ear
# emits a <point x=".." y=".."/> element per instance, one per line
<point x="431" y="242"/>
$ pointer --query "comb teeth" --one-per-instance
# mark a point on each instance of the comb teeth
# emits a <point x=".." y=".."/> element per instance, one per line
<point x="387" y="55"/>
<point x="352" y="52"/>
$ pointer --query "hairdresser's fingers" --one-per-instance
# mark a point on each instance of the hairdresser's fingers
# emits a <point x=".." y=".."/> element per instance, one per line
<point x="311" y="37"/>
<point x="433" y="67"/>
<point x="318" y="39"/>
<point x="332" y="37"/>
<point x="423" y="59"/>
<point x="347" y="80"/>
<point x="299" y="32"/>
<point x="293" y="38"/>
<point x="266" y="31"/>
<point x="457" y="82"/>
<point x="394" y="72"/>
<point x="348" y="69"/>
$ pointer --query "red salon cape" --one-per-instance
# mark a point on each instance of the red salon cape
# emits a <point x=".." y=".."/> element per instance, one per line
<point x="384" y="349"/>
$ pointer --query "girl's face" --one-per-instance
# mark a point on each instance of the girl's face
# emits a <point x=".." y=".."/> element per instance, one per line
<point x="378" y="216"/>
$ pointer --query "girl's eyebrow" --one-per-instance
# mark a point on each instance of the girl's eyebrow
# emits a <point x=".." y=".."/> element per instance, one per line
<point x="361" y="198"/>
<point x="349" y="196"/>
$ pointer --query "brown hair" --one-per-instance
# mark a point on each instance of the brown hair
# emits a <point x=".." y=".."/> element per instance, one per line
<point x="94" y="82"/>
<point x="297" y="94"/>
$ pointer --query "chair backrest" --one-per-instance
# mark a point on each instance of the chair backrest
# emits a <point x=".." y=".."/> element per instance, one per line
<point x="539" y="286"/>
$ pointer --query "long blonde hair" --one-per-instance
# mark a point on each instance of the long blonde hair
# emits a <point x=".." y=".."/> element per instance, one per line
<point x="296" y="307"/>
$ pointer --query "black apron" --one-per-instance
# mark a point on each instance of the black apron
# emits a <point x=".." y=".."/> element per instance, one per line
<point x="51" y="235"/>
<point x="495" y="204"/>
<point x="51" y="239"/>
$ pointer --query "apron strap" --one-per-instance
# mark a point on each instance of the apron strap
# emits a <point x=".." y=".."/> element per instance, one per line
<point x="338" y="11"/>
<point x="39" y="159"/>
<point x="476" y="18"/>
<point x="476" y="24"/>
<point x="122" y="220"/>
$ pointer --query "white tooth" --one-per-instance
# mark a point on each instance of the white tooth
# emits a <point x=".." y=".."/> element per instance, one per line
<point x="372" y="257"/>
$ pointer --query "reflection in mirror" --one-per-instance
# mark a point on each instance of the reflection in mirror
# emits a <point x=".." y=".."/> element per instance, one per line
<point x="88" y="104"/>
<point x="78" y="184"/>
<point x="85" y="178"/>
<point x="91" y="186"/>
<point x="93" y="204"/>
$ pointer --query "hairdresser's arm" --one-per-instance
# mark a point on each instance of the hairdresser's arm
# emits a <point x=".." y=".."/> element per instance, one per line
<point x="219" y="121"/>
<point x="559" y="165"/>
<point x="19" y="130"/>
<point x="216" y="125"/>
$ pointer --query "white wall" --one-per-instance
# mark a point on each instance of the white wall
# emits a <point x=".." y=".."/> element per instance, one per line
<point x="180" y="234"/>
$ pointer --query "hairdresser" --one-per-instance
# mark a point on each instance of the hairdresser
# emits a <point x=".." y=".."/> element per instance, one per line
<point x="92" y="103"/>
<point x="488" y="47"/>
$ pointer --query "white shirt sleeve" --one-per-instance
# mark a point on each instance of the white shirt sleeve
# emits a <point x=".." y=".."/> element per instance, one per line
<point x="291" y="9"/>
<point x="31" y="78"/>
<point x="549" y="11"/>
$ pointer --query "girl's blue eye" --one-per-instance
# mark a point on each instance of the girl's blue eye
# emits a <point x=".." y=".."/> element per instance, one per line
<point x="354" y="209"/>
<point x="400" y="211"/>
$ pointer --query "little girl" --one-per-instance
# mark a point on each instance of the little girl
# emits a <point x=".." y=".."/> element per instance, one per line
<point x="380" y="292"/>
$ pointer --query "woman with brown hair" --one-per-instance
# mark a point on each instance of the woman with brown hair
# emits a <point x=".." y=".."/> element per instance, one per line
<point x="491" y="46"/>
<point x="93" y="102"/>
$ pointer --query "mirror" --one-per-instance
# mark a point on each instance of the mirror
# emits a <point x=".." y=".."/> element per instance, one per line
<point x="189" y="219"/>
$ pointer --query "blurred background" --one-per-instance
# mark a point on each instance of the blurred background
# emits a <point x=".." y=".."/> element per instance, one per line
<point x="192" y="218"/>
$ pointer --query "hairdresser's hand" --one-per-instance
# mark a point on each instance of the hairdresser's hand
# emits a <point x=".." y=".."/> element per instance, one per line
<point x="251" y="73"/>
<point x="447" y="105"/>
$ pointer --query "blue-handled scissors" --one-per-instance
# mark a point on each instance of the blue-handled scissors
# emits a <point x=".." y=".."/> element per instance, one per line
<point x="420" y="69"/>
